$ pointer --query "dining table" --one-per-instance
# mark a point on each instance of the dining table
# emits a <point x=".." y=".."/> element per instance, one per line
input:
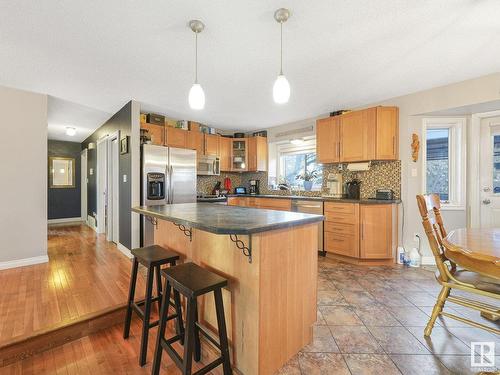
<point x="476" y="249"/>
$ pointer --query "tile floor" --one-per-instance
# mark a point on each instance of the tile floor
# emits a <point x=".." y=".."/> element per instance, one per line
<point x="371" y="321"/>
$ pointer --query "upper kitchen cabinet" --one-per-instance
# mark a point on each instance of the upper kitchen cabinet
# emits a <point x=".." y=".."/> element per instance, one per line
<point x="328" y="140"/>
<point x="239" y="155"/>
<point x="195" y="141"/>
<point x="212" y="144"/>
<point x="257" y="154"/>
<point x="176" y="137"/>
<point x="387" y="136"/>
<point x="155" y="132"/>
<point x="368" y="134"/>
<point x="357" y="134"/>
<point x="225" y="146"/>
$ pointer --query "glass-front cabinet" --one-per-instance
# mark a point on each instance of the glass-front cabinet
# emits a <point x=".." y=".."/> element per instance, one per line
<point x="240" y="154"/>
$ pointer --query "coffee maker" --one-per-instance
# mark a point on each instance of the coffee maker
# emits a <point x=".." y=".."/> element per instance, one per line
<point x="334" y="185"/>
<point x="254" y="187"/>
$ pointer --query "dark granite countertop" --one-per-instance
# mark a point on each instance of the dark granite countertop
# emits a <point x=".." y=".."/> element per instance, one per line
<point x="221" y="219"/>
<point x="324" y="199"/>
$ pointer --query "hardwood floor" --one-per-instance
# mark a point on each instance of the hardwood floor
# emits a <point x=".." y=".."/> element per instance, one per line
<point x="104" y="352"/>
<point x="85" y="274"/>
<point x="370" y="319"/>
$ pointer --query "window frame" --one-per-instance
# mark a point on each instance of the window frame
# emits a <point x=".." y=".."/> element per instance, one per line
<point x="286" y="148"/>
<point x="456" y="156"/>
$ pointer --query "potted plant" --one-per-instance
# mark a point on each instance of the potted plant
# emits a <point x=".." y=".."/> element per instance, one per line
<point x="308" y="177"/>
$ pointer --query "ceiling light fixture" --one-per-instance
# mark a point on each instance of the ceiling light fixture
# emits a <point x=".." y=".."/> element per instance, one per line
<point x="297" y="141"/>
<point x="70" y="131"/>
<point x="281" y="88"/>
<point x="196" y="94"/>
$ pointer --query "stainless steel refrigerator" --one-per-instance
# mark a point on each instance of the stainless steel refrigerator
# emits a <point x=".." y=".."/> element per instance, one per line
<point x="168" y="175"/>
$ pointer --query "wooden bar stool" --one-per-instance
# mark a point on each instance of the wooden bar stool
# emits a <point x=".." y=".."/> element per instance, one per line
<point x="151" y="257"/>
<point x="192" y="281"/>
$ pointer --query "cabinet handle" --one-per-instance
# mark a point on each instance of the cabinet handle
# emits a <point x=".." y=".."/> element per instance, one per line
<point x="338" y="148"/>
<point x="393" y="145"/>
<point x="362" y="231"/>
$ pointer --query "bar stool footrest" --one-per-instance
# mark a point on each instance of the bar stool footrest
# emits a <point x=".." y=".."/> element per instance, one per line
<point x="209" y="367"/>
<point x="208" y="335"/>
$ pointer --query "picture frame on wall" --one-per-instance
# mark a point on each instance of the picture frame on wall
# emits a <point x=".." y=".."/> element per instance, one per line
<point x="124" y="145"/>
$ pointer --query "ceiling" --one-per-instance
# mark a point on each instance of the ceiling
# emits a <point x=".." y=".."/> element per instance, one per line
<point x="337" y="54"/>
<point x="62" y="114"/>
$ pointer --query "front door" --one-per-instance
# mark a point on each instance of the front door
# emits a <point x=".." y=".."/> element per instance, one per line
<point x="490" y="172"/>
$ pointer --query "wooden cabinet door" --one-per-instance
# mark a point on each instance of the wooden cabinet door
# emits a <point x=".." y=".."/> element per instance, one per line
<point x="225" y="153"/>
<point x="156" y="132"/>
<point x="376" y="231"/>
<point x="257" y="154"/>
<point x="212" y="144"/>
<point x="176" y="137"/>
<point x="357" y="135"/>
<point x="194" y="141"/>
<point x="328" y="140"/>
<point x="387" y="137"/>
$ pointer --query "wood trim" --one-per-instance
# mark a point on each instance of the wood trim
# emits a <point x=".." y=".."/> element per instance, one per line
<point x="26" y="346"/>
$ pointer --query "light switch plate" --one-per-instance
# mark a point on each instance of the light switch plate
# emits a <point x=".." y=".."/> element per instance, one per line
<point x="91" y="171"/>
<point x="414" y="172"/>
<point x="124" y="178"/>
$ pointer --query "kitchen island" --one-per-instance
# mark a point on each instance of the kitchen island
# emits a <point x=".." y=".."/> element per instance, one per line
<point x="270" y="260"/>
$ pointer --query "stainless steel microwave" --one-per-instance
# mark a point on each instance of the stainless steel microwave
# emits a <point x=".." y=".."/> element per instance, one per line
<point x="208" y="166"/>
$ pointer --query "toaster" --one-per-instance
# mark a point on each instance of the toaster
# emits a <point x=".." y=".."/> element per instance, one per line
<point x="384" y="194"/>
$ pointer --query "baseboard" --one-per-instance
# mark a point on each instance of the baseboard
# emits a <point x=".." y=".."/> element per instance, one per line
<point x="91" y="223"/>
<point x="23" y="262"/>
<point x="428" y="261"/>
<point x="125" y="250"/>
<point x="65" y="220"/>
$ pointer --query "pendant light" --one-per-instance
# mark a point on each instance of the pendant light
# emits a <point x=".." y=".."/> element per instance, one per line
<point x="281" y="88"/>
<point x="196" y="96"/>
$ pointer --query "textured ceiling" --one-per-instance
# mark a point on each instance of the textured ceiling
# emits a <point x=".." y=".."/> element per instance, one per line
<point x="338" y="54"/>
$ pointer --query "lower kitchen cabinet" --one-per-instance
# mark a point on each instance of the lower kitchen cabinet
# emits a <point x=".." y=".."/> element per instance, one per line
<point x="378" y="231"/>
<point x="281" y="204"/>
<point x="362" y="232"/>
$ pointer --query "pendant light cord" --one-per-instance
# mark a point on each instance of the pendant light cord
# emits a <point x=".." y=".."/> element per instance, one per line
<point x="196" y="58"/>
<point x="281" y="48"/>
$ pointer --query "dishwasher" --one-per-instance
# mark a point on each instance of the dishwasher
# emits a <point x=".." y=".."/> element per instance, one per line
<point x="311" y="207"/>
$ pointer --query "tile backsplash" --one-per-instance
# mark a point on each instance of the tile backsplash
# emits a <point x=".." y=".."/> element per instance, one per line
<point x="381" y="175"/>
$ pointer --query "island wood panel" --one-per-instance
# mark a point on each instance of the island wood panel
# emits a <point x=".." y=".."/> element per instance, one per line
<point x="288" y="276"/>
<point x="280" y="282"/>
<point x="220" y="255"/>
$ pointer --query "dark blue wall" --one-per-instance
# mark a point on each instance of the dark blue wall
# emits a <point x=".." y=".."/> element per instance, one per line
<point x="122" y="121"/>
<point x="64" y="203"/>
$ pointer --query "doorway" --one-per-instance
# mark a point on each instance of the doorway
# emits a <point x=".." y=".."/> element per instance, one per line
<point x="102" y="182"/>
<point x="83" y="185"/>
<point x="489" y="173"/>
<point x="112" y="219"/>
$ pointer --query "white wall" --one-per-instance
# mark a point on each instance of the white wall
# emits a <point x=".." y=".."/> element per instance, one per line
<point x="471" y="92"/>
<point x="412" y="107"/>
<point x="23" y="178"/>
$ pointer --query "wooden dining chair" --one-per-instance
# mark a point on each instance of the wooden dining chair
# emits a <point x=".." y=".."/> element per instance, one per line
<point x="449" y="276"/>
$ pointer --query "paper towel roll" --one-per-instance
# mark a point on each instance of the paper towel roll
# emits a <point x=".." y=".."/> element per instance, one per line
<point x="358" y="166"/>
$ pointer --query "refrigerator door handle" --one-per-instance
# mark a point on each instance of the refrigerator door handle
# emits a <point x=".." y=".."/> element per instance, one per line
<point x="171" y="185"/>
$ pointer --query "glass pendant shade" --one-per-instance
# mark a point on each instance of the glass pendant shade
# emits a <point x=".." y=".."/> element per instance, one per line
<point x="196" y="97"/>
<point x="281" y="90"/>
